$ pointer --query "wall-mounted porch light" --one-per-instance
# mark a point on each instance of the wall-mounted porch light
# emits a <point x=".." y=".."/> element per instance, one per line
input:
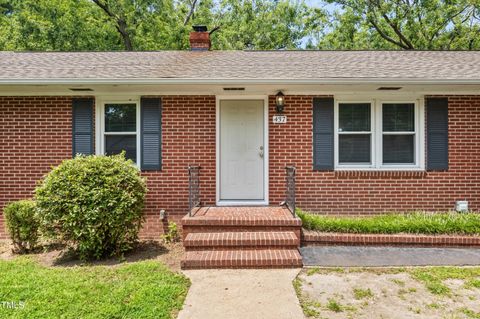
<point x="280" y="102"/>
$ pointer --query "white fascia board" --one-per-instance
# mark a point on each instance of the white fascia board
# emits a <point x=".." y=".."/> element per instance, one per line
<point x="380" y="81"/>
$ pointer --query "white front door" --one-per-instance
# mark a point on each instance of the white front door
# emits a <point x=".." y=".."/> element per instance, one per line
<point x="242" y="149"/>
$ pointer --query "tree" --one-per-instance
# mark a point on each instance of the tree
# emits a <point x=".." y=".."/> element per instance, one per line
<point x="114" y="11"/>
<point x="267" y="25"/>
<point x="59" y="25"/>
<point x="406" y="24"/>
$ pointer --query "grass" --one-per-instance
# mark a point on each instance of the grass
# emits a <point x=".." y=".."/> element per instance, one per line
<point x="470" y="313"/>
<point x="414" y="223"/>
<point x="359" y="293"/>
<point x="310" y="307"/>
<point x="334" y="305"/>
<point x="145" y="289"/>
<point x="434" y="277"/>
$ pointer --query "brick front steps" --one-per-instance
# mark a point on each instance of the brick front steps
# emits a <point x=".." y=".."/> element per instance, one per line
<point x="233" y="240"/>
<point x="241" y="237"/>
<point x="261" y="258"/>
<point x="312" y="238"/>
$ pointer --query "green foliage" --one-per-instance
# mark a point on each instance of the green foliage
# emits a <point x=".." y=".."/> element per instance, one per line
<point x="95" y="203"/>
<point x="172" y="235"/>
<point x="409" y="25"/>
<point x="240" y="24"/>
<point x="260" y="25"/>
<point x="72" y="25"/>
<point x="144" y="289"/>
<point x="415" y="223"/>
<point x="55" y="25"/>
<point x="22" y="225"/>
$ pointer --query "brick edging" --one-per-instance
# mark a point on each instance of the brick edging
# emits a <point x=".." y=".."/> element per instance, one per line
<point x="313" y="238"/>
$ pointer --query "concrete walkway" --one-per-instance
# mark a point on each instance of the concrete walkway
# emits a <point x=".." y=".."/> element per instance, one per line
<point x="356" y="256"/>
<point x="230" y="293"/>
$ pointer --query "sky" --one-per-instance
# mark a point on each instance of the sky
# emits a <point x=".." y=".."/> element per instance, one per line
<point x="320" y="4"/>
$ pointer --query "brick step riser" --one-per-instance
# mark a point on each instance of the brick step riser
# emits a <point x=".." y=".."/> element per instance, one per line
<point x="188" y="267"/>
<point x="262" y="258"/>
<point x="187" y="229"/>
<point x="229" y="248"/>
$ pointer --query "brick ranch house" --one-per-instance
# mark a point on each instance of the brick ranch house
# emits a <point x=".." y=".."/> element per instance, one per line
<point x="368" y="131"/>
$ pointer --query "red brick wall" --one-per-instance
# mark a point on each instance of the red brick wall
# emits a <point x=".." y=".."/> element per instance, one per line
<point x="35" y="133"/>
<point x="188" y="137"/>
<point x="376" y="192"/>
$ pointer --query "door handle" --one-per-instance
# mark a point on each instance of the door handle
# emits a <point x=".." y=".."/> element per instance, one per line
<point x="261" y="152"/>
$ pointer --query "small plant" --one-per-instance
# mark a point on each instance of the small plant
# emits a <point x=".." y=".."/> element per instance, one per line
<point x="362" y="293"/>
<point x="172" y="235"/>
<point x="93" y="203"/>
<point x="433" y="305"/>
<point x="22" y="225"/>
<point x="334" y="305"/>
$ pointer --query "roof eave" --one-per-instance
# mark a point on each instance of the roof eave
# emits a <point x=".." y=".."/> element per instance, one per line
<point x="166" y="81"/>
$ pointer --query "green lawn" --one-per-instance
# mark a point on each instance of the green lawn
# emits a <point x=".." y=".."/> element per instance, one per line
<point x="415" y="223"/>
<point x="145" y="289"/>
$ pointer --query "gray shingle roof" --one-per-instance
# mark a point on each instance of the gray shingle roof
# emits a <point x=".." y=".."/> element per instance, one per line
<point x="242" y="65"/>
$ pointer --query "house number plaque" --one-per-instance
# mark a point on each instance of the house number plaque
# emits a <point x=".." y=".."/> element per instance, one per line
<point x="279" y="119"/>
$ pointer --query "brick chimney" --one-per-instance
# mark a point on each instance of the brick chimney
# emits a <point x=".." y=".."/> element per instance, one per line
<point x="200" y="38"/>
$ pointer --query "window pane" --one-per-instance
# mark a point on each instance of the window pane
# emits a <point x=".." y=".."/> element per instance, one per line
<point x="120" y="117"/>
<point x="115" y="144"/>
<point x="354" y="117"/>
<point x="398" y="149"/>
<point x="354" y="148"/>
<point x="398" y="117"/>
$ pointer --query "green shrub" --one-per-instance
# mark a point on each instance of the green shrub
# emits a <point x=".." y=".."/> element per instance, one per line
<point x="172" y="235"/>
<point x="22" y="225"/>
<point x="94" y="203"/>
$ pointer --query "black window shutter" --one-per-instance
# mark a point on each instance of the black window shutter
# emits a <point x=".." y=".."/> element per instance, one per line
<point x="82" y="126"/>
<point x="151" y="130"/>
<point x="437" y="134"/>
<point x="323" y="147"/>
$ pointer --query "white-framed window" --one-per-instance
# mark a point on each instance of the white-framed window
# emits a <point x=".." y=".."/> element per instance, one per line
<point x="120" y="128"/>
<point x="379" y="134"/>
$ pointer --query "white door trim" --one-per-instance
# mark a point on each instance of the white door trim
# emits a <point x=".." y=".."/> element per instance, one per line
<point x="266" y="150"/>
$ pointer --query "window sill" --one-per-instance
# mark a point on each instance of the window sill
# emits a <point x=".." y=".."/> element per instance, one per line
<point x="381" y="173"/>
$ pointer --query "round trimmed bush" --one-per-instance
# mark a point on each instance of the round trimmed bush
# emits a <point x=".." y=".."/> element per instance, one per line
<point x="22" y="225"/>
<point x="94" y="203"/>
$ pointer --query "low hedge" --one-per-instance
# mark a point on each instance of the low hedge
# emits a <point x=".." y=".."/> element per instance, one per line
<point x="22" y="225"/>
<point x="413" y="223"/>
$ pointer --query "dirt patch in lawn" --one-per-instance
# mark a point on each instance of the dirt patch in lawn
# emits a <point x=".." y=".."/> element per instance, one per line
<point x="60" y="256"/>
<point x="384" y="293"/>
<point x="4" y="247"/>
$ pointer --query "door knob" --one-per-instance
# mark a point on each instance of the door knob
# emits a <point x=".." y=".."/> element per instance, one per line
<point x="261" y="152"/>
